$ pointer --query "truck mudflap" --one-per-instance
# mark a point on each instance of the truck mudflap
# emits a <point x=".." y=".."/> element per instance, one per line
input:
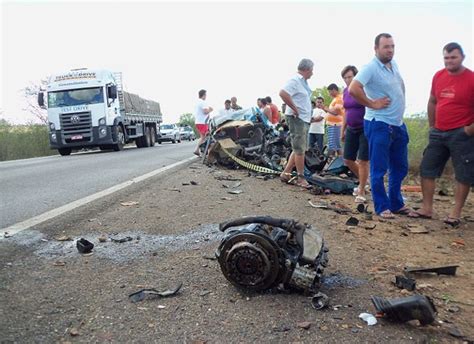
<point x="78" y="141"/>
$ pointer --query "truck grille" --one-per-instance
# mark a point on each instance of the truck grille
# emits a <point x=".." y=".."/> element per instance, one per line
<point x="76" y="127"/>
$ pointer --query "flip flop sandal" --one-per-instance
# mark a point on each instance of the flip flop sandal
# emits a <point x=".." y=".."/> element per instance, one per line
<point x="306" y="185"/>
<point x="360" y="199"/>
<point x="453" y="222"/>
<point x="387" y="215"/>
<point x="286" y="178"/>
<point x="416" y="215"/>
<point x="403" y="211"/>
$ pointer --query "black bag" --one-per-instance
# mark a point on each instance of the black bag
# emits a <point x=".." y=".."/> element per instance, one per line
<point x="334" y="184"/>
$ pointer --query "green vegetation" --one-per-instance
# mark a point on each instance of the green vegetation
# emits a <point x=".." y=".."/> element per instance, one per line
<point x="187" y="119"/>
<point x="23" y="141"/>
<point x="418" y="130"/>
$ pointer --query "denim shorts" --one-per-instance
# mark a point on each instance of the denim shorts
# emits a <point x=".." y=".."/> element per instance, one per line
<point x="356" y="142"/>
<point x="445" y="144"/>
<point x="298" y="134"/>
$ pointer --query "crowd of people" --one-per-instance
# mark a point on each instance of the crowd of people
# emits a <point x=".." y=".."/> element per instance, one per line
<point x="364" y="124"/>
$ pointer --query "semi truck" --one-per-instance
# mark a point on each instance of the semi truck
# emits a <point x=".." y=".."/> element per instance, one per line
<point x="89" y="108"/>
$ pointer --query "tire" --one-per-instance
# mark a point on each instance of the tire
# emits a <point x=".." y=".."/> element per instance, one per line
<point x="173" y="140"/>
<point x="147" y="137"/>
<point x="152" y="137"/>
<point x="120" y="138"/>
<point x="159" y="142"/>
<point x="64" y="151"/>
<point x="103" y="148"/>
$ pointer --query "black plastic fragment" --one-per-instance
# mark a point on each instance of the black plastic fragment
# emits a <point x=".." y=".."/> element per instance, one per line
<point x="84" y="246"/>
<point x="403" y="282"/>
<point x="352" y="221"/>
<point x="404" y="309"/>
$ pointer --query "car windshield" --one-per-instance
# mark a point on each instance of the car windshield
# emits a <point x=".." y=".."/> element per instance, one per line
<point x="166" y="126"/>
<point x="76" y="97"/>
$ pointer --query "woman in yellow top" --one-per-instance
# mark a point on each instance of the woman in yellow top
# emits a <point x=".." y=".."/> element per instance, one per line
<point x="334" y="120"/>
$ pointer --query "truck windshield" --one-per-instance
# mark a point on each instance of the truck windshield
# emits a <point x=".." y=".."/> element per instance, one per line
<point x="75" y="97"/>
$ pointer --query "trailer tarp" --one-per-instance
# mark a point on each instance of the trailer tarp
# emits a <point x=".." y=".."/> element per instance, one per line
<point x="137" y="105"/>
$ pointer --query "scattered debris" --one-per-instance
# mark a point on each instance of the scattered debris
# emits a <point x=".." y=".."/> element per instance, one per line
<point x="404" y="309"/>
<point x="407" y="283"/>
<point x="228" y="178"/>
<point x="352" y="221"/>
<point x="361" y="208"/>
<point x="210" y="257"/>
<point x="74" y="332"/>
<point x="129" y="203"/>
<point x="84" y="246"/>
<point x="368" y="227"/>
<point x="63" y="238"/>
<point x="235" y="192"/>
<point x="458" y="243"/>
<point x="337" y="207"/>
<point x="411" y="188"/>
<point x="226" y="199"/>
<point x="59" y="263"/>
<point x="141" y="294"/>
<point x="368" y="318"/>
<point x="455" y="332"/>
<point x="305" y="325"/>
<point x="102" y="238"/>
<point x="6" y="235"/>
<point x="122" y="240"/>
<point x="319" y="301"/>
<point x="204" y="292"/>
<point x="417" y="229"/>
<point x="283" y="328"/>
<point x="441" y="270"/>
<point x="194" y="183"/>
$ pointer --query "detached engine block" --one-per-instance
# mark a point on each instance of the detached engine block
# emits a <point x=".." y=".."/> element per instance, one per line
<point x="271" y="252"/>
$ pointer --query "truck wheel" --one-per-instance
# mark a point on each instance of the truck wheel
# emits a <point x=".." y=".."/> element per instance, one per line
<point x="147" y="138"/>
<point x="152" y="136"/>
<point x="173" y="140"/>
<point x="159" y="142"/>
<point x="120" y="138"/>
<point x="103" y="148"/>
<point x="64" y="151"/>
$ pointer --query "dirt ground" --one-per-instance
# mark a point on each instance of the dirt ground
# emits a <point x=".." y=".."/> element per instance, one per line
<point x="51" y="293"/>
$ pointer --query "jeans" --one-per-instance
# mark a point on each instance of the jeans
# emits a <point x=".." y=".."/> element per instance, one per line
<point x="316" y="139"/>
<point x="388" y="151"/>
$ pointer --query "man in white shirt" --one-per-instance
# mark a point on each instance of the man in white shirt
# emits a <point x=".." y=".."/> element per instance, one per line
<point x="201" y="117"/>
<point x="297" y="95"/>
<point x="227" y="110"/>
<point x="316" y="129"/>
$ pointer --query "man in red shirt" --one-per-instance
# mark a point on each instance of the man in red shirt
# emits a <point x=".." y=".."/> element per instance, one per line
<point x="451" y="120"/>
<point x="275" y="112"/>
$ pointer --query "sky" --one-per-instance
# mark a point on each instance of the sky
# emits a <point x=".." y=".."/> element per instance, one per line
<point x="168" y="51"/>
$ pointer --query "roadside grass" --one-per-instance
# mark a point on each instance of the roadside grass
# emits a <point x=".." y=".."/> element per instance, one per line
<point x="418" y="130"/>
<point x="24" y="141"/>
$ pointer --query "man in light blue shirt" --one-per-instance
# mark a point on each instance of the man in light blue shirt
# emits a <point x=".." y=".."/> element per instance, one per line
<point x="380" y="88"/>
<point x="297" y="95"/>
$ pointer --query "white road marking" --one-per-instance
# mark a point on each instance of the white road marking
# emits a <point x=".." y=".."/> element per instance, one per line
<point x="20" y="226"/>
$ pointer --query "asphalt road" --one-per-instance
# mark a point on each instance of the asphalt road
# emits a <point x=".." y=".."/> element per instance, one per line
<point x="33" y="186"/>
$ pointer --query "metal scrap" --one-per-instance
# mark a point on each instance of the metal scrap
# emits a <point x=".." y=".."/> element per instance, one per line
<point x="143" y="293"/>
<point x="449" y="270"/>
